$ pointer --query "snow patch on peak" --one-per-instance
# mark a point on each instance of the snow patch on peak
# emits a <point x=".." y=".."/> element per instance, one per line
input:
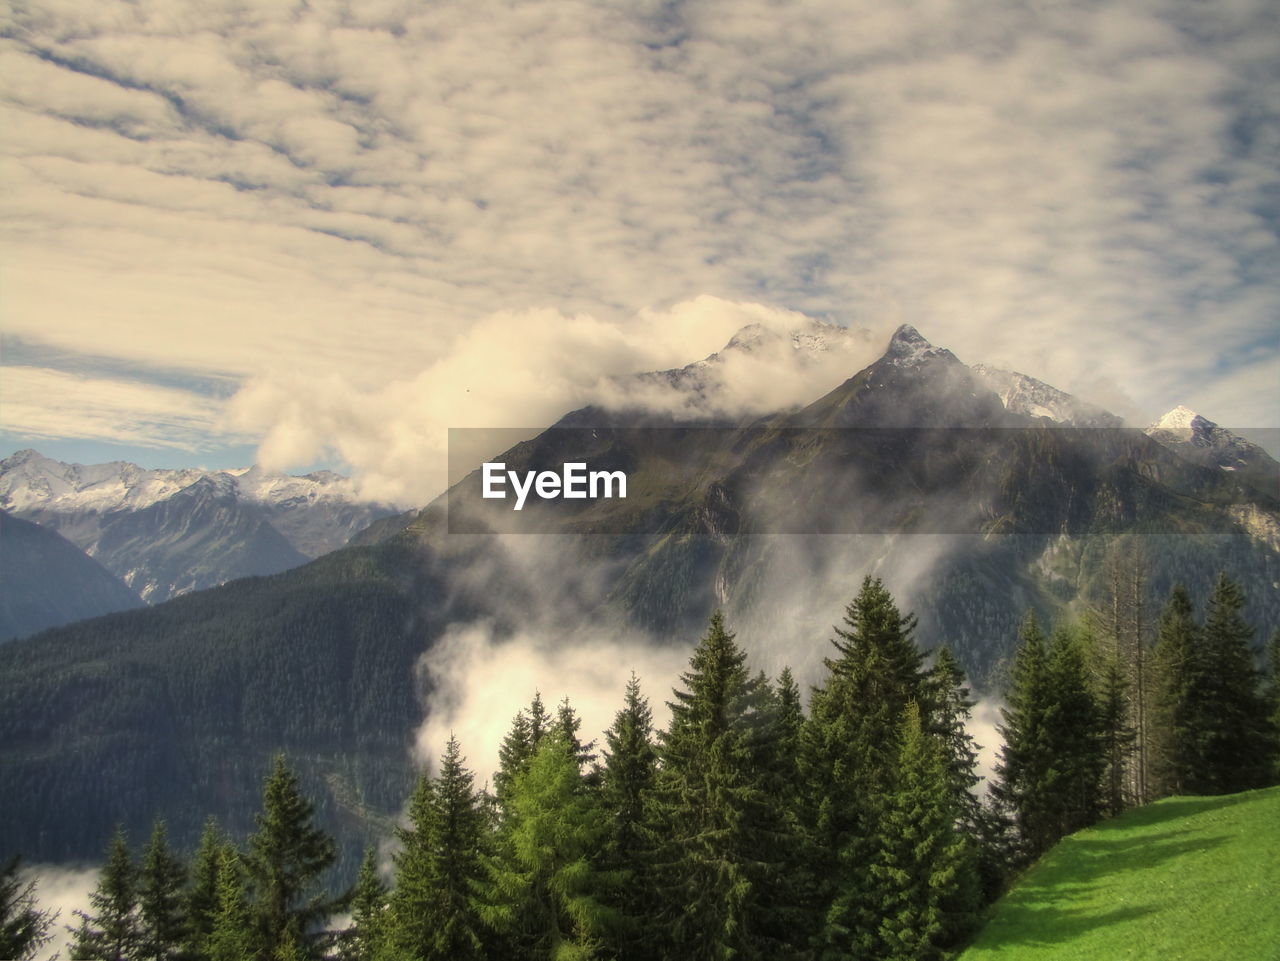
<point x="1023" y="394"/>
<point x="1183" y="418"/>
<point x="764" y="368"/>
<point x="907" y="347"/>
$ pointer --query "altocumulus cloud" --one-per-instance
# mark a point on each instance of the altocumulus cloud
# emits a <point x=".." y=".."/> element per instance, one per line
<point x="297" y="196"/>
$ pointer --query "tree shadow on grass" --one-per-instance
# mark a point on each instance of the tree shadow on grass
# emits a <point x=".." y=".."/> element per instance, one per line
<point x="1048" y="924"/>
<point x="1056" y="901"/>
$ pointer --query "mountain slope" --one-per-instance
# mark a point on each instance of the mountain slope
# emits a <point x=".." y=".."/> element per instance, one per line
<point x="1203" y="442"/>
<point x="48" y="581"/>
<point x="167" y="532"/>
<point x="911" y="469"/>
<point x="1192" y="878"/>
<point x="1035" y="398"/>
<point x="179" y="708"/>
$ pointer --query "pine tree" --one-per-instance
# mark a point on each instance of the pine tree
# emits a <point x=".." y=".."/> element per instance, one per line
<point x="1118" y="739"/>
<point x="1075" y="777"/>
<point x="949" y="710"/>
<point x="110" y="931"/>
<point x="567" y="723"/>
<point x="520" y="744"/>
<point x="410" y="918"/>
<point x="1179" y="696"/>
<point x="287" y="855"/>
<point x="1234" y="734"/>
<point x="626" y="783"/>
<point x="1049" y="776"/>
<point x="847" y="760"/>
<point x="1047" y="780"/>
<point x="161" y="908"/>
<point x="724" y="835"/>
<point x="433" y="913"/>
<point x="367" y="932"/>
<point x="233" y="936"/>
<point x="24" y="928"/>
<point x="544" y="891"/>
<point x="925" y="871"/>
<point x="790" y="725"/>
<point x="202" y="892"/>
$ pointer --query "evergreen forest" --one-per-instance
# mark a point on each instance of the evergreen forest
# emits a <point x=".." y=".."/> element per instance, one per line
<point x="759" y="824"/>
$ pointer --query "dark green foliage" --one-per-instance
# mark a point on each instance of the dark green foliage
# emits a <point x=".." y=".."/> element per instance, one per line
<point x="1116" y="737"/>
<point x="286" y="860"/>
<point x="1077" y="764"/>
<point x="202" y="890"/>
<point x="1051" y="764"/>
<point x="849" y="752"/>
<point x="925" y="872"/>
<point x="162" y="879"/>
<point x="627" y="777"/>
<point x="948" y="710"/>
<point x="233" y="936"/>
<point x="433" y="912"/>
<point x="110" y="931"/>
<point x="361" y="941"/>
<point x="1235" y="736"/>
<point x="790" y="724"/>
<point x="567" y="724"/>
<point x="24" y="928"/>
<point x="724" y="834"/>
<point x="748" y="831"/>
<point x="520" y="744"/>
<point x="411" y="901"/>
<point x="175" y="710"/>
<point x="1179" y="696"/>
<point x="1214" y="733"/>
<point x="545" y="896"/>
<point x="626" y="783"/>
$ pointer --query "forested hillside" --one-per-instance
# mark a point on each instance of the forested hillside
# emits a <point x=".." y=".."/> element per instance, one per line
<point x="177" y="708"/>
<point x="749" y="826"/>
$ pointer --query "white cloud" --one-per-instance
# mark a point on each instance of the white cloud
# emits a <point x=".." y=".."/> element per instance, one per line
<point x="38" y="402"/>
<point x="512" y="369"/>
<point x="480" y="682"/>
<point x="264" y="190"/>
<point x="62" y="890"/>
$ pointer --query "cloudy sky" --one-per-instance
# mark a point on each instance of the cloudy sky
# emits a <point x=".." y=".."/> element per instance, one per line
<point x="321" y="232"/>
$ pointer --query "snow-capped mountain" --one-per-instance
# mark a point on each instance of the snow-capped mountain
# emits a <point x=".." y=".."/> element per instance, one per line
<point x="1026" y="395"/>
<point x="1200" y="440"/>
<point x="166" y="532"/>
<point x="970" y="527"/>
<point x="762" y="369"/>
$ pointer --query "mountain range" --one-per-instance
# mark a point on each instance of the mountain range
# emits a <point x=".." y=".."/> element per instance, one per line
<point x="975" y="494"/>
<point x="169" y="532"/>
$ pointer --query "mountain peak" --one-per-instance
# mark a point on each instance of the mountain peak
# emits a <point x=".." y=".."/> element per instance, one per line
<point x="1198" y="439"/>
<point x="907" y="347"/>
<point x="1183" y="418"/>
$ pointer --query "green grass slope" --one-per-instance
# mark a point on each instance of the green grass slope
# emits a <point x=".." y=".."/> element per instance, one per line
<point x="1184" y="879"/>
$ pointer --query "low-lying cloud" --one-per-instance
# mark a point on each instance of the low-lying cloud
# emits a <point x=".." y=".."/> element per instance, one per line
<point x="526" y="369"/>
<point x="481" y="681"/>
<point x="63" y="890"/>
